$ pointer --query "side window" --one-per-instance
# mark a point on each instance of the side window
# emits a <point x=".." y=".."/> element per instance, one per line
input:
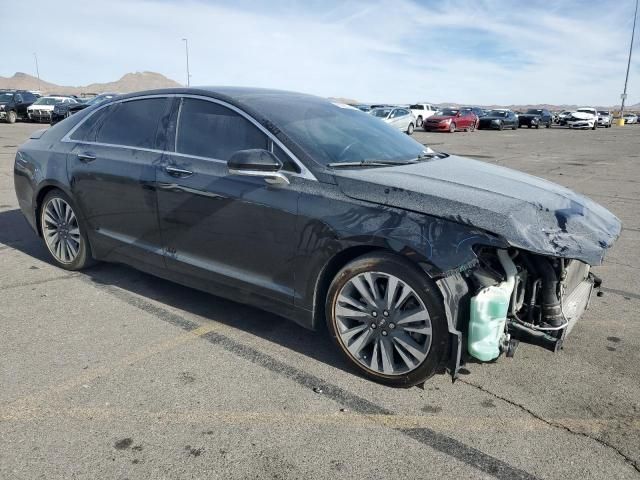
<point x="86" y="132"/>
<point x="19" y="98"/>
<point x="207" y="129"/>
<point x="133" y="123"/>
<point x="287" y="163"/>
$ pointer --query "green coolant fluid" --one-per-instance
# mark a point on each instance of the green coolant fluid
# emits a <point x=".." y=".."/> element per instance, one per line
<point x="488" y="317"/>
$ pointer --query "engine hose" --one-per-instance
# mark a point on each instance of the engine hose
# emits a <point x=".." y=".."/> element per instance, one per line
<point x="550" y="303"/>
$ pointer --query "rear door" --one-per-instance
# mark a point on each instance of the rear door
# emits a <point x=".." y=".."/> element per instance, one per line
<point x="236" y="231"/>
<point x="112" y="169"/>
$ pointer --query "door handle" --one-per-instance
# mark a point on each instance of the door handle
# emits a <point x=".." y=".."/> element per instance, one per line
<point x="86" y="157"/>
<point x="177" y="172"/>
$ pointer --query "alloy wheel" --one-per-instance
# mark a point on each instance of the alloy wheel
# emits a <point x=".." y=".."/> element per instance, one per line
<point x="60" y="230"/>
<point x="382" y="323"/>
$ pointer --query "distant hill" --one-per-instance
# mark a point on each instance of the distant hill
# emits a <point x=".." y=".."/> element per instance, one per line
<point x="131" y="82"/>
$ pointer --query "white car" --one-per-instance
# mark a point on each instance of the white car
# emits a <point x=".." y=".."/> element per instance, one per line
<point x="422" y="111"/>
<point x="583" y="117"/>
<point x="604" y="118"/>
<point x="399" y="117"/>
<point x="630" y="118"/>
<point x="40" y="110"/>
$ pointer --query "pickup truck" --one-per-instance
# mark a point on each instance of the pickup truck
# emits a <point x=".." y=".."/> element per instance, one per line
<point x="422" y="111"/>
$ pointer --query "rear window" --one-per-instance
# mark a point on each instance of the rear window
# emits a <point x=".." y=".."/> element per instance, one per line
<point x="133" y="123"/>
<point x="417" y="107"/>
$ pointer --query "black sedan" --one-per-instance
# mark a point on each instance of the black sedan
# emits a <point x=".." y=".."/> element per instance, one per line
<point x="499" y="120"/>
<point x="322" y="214"/>
<point x="535" y="117"/>
<point x="64" y="110"/>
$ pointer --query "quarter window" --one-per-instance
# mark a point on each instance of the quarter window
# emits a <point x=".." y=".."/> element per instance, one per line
<point x="207" y="129"/>
<point x="133" y="123"/>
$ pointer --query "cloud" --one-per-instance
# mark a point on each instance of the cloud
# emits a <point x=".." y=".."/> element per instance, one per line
<point x="476" y="51"/>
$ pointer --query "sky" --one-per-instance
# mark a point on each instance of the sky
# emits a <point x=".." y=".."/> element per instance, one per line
<point x="476" y="52"/>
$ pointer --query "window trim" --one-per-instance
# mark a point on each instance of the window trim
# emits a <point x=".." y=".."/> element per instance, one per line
<point x="304" y="171"/>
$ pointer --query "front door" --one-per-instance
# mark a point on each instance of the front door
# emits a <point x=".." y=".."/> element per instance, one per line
<point x="235" y="231"/>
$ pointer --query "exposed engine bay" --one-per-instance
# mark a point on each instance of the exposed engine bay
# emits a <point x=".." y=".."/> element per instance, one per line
<point x="521" y="296"/>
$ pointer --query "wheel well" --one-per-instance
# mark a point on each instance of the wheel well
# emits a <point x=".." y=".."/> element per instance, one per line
<point x="333" y="266"/>
<point x="41" y="194"/>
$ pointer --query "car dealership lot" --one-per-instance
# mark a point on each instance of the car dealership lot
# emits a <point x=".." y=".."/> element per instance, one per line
<point x="112" y="373"/>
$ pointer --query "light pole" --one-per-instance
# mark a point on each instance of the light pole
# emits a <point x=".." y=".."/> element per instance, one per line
<point x="186" y="51"/>
<point x="37" y="71"/>
<point x="626" y="79"/>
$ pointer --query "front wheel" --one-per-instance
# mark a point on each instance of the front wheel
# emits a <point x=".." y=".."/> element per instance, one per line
<point x="419" y="121"/>
<point x="452" y="127"/>
<point x="12" y="117"/>
<point x="500" y="126"/>
<point x="385" y="316"/>
<point x="62" y="232"/>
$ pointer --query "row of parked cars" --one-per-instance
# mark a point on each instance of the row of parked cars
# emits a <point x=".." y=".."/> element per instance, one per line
<point x="31" y="106"/>
<point x="432" y="118"/>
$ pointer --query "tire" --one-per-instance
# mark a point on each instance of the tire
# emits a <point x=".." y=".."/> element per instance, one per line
<point x="500" y="126"/>
<point x="548" y="124"/>
<point x="410" y="129"/>
<point x="365" y="349"/>
<point x="12" y="116"/>
<point x="452" y="128"/>
<point x="419" y="121"/>
<point x="514" y="127"/>
<point x="69" y="231"/>
<point x="537" y="126"/>
<point x="595" y="125"/>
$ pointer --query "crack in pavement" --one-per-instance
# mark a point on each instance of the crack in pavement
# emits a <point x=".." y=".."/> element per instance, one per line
<point x="633" y="463"/>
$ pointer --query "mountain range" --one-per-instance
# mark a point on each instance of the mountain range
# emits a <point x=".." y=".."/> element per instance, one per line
<point x="130" y="82"/>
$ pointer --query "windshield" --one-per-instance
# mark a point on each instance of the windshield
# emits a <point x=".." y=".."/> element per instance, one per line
<point x="603" y="112"/>
<point x="47" y="101"/>
<point x="99" y="98"/>
<point x="329" y="133"/>
<point x="6" y="97"/>
<point x="447" y="112"/>
<point x="533" y="111"/>
<point x="381" y="112"/>
<point x="497" y="113"/>
<point x="585" y="110"/>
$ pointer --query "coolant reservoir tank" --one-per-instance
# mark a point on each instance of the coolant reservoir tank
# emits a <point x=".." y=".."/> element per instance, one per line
<point x="487" y="321"/>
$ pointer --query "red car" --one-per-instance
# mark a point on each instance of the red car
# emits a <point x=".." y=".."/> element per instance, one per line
<point x="450" y="120"/>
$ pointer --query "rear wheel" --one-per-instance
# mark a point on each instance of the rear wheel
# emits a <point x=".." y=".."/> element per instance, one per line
<point x="387" y="319"/>
<point x="419" y="121"/>
<point x="12" y="116"/>
<point x="62" y="232"/>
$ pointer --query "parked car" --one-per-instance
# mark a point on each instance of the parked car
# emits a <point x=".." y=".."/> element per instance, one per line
<point x="451" y="120"/>
<point x="630" y="118"/>
<point x="14" y="104"/>
<point x="422" y="111"/>
<point x="398" y="117"/>
<point x="534" y="117"/>
<point x="605" y="118"/>
<point x="479" y="112"/>
<point x="41" y="109"/>
<point x="562" y="117"/>
<point x="65" y="109"/>
<point x="584" y="118"/>
<point x="320" y="214"/>
<point x="499" y="119"/>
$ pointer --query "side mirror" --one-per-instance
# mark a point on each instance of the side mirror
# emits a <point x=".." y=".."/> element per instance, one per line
<point x="257" y="163"/>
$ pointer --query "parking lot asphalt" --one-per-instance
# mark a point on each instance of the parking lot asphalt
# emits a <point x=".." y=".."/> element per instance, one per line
<point x="111" y="373"/>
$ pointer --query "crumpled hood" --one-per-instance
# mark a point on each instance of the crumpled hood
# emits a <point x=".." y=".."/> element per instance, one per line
<point x="526" y="211"/>
<point x="582" y="115"/>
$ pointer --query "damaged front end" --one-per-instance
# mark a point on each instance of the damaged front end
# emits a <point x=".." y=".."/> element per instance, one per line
<point x="512" y="296"/>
